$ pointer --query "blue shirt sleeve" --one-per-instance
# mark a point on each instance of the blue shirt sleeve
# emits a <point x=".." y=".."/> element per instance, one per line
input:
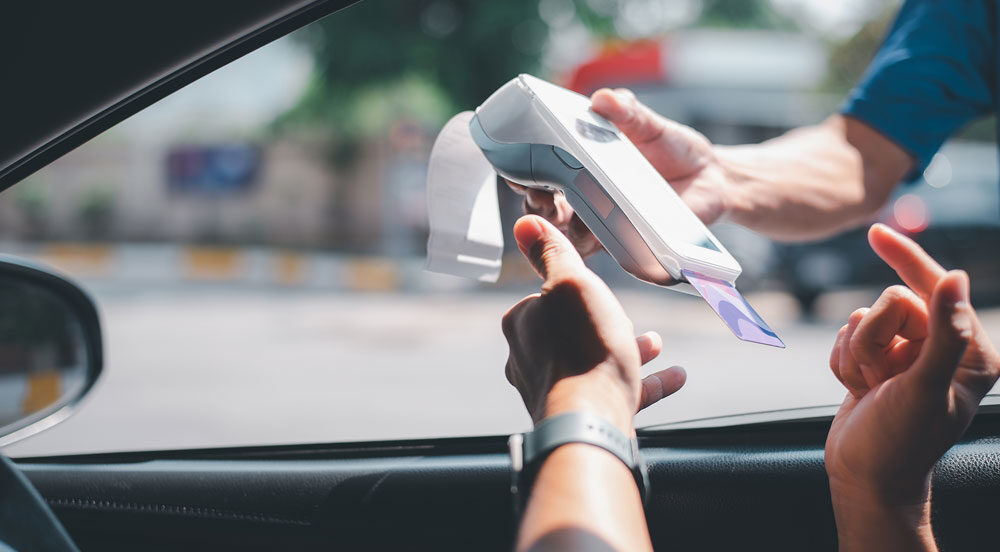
<point x="935" y="72"/>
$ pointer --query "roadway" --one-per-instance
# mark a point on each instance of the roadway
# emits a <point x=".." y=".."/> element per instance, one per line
<point x="219" y="365"/>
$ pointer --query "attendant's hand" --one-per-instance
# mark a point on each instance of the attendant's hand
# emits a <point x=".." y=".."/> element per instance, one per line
<point x="572" y="348"/>
<point x="916" y="364"/>
<point x="682" y="155"/>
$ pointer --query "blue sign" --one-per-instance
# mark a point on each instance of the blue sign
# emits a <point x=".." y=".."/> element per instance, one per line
<point x="213" y="170"/>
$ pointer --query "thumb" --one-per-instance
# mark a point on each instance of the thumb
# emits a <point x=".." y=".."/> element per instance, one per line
<point x="949" y="332"/>
<point x="621" y="107"/>
<point x="674" y="149"/>
<point x="550" y="253"/>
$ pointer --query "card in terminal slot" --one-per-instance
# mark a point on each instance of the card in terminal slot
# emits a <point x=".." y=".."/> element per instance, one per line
<point x="734" y="310"/>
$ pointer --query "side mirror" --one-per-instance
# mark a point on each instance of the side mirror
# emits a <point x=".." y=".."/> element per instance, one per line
<point x="50" y="348"/>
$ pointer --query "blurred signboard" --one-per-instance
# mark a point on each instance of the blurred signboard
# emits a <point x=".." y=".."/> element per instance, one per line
<point x="213" y="170"/>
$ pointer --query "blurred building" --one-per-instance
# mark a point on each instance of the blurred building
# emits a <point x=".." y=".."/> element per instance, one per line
<point x="735" y="86"/>
<point x="283" y="192"/>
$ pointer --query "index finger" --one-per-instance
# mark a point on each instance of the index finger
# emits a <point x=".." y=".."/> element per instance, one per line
<point x="536" y="202"/>
<point x="515" y="187"/>
<point x="918" y="270"/>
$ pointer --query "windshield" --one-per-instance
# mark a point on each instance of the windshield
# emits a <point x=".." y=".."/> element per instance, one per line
<point x="256" y="241"/>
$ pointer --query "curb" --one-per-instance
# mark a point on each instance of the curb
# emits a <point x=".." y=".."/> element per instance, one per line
<point x="158" y="264"/>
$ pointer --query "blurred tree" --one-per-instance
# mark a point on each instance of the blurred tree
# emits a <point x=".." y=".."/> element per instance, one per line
<point x="849" y="59"/>
<point x="96" y="210"/>
<point x="425" y="59"/>
<point x="380" y="60"/>
<point x="755" y="14"/>
<point x="33" y="201"/>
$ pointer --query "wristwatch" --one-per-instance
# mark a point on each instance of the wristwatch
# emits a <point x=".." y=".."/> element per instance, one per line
<point x="529" y="450"/>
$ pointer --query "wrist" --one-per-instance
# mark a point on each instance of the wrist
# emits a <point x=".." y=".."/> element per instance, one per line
<point x="737" y="204"/>
<point x="884" y="528"/>
<point x="869" y="520"/>
<point x="906" y="494"/>
<point x="594" y="394"/>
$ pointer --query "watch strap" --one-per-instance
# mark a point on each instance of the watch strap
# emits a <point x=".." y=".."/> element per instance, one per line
<point x="577" y="427"/>
<point x="529" y="450"/>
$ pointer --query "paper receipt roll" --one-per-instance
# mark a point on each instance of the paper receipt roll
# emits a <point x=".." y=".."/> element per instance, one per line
<point x="463" y="211"/>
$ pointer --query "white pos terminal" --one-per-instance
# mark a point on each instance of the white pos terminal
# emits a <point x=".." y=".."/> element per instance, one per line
<point x="543" y="136"/>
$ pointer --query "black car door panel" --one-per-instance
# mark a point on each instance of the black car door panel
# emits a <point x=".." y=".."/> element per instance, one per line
<point x="759" y="487"/>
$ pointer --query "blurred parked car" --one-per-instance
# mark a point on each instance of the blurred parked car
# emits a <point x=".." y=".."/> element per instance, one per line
<point x="953" y="211"/>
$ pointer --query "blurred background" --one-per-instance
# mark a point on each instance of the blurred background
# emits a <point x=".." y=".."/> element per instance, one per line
<point x="256" y="240"/>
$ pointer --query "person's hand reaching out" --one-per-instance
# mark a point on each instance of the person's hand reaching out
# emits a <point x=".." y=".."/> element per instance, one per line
<point x="916" y="365"/>
<point x="572" y="347"/>
<point x="682" y="155"/>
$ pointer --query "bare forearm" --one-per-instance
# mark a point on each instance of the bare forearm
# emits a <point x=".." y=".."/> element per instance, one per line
<point x="811" y="182"/>
<point x="584" y="499"/>
<point x="865" y="525"/>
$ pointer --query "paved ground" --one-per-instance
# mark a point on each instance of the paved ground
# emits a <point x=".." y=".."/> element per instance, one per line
<point x="217" y="366"/>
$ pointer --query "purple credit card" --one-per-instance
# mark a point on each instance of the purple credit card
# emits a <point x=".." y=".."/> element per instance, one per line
<point x="733" y="309"/>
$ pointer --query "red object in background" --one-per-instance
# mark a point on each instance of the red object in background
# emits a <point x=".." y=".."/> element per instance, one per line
<point x="910" y="214"/>
<point x="626" y="63"/>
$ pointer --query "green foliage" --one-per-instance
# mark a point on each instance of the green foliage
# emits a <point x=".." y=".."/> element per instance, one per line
<point x="744" y="14"/>
<point x="32" y="199"/>
<point x="423" y="59"/>
<point x="849" y="59"/>
<point x="95" y="210"/>
<point x="97" y="201"/>
<point x="599" y="16"/>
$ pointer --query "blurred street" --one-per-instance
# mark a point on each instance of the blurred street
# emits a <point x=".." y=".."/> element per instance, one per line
<point x="218" y="366"/>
